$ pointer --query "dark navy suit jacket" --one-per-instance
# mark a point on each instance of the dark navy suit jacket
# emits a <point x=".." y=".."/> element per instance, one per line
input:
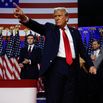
<point x="52" y="41"/>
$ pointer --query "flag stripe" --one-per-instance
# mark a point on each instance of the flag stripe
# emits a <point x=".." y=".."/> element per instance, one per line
<point x="46" y="1"/>
<point x="36" y="16"/>
<point x="16" y="68"/>
<point x="36" y="10"/>
<point x="1" y="68"/>
<point x="47" y="5"/>
<point x="43" y="21"/>
<point x="7" y="67"/>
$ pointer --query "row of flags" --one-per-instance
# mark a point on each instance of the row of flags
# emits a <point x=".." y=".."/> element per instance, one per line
<point x="9" y="67"/>
<point x="10" y="50"/>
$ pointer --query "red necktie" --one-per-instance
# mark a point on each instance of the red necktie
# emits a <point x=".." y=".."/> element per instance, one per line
<point x="67" y="47"/>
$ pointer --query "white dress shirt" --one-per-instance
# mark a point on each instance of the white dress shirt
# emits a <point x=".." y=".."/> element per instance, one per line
<point x="31" y="47"/>
<point x="96" y="52"/>
<point x="61" y="52"/>
<point x="31" y="51"/>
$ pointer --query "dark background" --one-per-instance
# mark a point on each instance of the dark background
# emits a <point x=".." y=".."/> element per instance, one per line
<point x="90" y="13"/>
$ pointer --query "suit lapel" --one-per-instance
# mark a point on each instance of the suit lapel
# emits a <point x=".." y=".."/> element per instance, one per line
<point x="73" y="36"/>
<point x="100" y="52"/>
<point x="34" y="49"/>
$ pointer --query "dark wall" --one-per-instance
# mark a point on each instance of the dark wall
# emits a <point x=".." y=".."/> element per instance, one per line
<point x="90" y="12"/>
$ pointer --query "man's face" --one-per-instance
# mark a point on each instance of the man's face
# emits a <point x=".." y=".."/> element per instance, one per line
<point x="60" y="18"/>
<point x="95" y="45"/>
<point x="30" y="40"/>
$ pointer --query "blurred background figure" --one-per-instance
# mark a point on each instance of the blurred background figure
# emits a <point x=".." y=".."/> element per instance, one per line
<point x="95" y="50"/>
<point x="17" y="28"/>
<point x="29" y="59"/>
<point x="1" y="29"/>
<point x="96" y="82"/>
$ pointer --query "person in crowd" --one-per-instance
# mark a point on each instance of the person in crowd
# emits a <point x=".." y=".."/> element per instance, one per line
<point x="96" y="82"/>
<point x="1" y="29"/>
<point x="12" y="29"/>
<point x="97" y="53"/>
<point x="17" y="28"/>
<point x="29" y="59"/>
<point x="60" y="59"/>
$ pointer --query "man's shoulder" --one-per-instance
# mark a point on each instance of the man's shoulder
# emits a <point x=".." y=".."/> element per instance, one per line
<point x="101" y="48"/>
<point x="72" y="28"/>
<point x="101" y="52"/>
<point x="37" y="48"/>
<point x="50" y="24"/>
<point x="24" y="48"/>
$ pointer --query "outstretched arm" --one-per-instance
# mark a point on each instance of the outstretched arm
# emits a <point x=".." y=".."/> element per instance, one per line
<point x="25" y="20"/>
<point x="18" y="13"/>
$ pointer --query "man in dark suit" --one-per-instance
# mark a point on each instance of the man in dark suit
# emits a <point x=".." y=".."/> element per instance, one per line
<point x="59" y="68"/>
<point x="97" y="53"/>
<point x="96" y="82"/>
<point x="29" y="59"/>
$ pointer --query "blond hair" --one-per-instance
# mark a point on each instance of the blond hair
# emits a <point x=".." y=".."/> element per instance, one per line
<point x="61" y="8"/>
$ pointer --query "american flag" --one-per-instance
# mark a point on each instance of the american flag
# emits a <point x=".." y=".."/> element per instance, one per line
<point x="16" y="45"/>
<point x="1" y="49"/>
<point x="40" y="10"/>
<point x="9" y="68"/>
<point x="41" y="40"/>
